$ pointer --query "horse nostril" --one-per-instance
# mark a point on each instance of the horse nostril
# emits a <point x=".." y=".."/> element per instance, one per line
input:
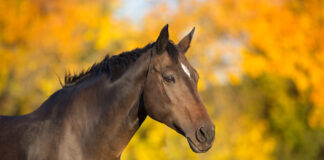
<point x="201" y="135"/>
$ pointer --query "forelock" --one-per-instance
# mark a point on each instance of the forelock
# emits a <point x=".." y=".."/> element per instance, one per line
<point x="172" y="50"/>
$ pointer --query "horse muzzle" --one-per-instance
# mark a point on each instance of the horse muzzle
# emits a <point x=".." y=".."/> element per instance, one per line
<point x="202" y="140"/>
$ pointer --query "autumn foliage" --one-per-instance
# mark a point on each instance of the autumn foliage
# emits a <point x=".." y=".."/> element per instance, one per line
<point x="261" y="66"/>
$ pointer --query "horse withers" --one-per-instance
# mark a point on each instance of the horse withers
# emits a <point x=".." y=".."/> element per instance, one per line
<point x="97" y="112"/>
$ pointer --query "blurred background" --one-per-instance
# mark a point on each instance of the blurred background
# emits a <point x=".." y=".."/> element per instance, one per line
<point x="261" y="64"/>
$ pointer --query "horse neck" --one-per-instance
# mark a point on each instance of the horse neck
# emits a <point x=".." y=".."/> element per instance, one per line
<point x="111" y="112"/>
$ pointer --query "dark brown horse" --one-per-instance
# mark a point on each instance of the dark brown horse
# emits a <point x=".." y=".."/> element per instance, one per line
<point x="97" y="112"/>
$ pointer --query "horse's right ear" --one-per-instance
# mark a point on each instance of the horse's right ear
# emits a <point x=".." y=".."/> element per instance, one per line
<point x="163" y="40"/>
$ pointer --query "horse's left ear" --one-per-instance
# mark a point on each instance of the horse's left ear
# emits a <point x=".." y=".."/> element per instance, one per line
<point x="184" y="44"/>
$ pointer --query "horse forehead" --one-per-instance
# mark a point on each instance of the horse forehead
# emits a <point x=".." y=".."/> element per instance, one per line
<point x="185" y="69"/>
<point x="186" y="66"/>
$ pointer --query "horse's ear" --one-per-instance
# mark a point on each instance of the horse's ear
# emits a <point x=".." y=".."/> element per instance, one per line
<point x="184" y="44"/>
<point x="163" y="40"/>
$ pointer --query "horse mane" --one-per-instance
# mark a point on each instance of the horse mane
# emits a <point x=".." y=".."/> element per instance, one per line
<point x="110" y="65"/>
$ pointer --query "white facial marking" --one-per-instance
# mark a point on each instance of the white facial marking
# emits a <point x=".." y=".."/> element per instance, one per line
<point x="185" y="69"/>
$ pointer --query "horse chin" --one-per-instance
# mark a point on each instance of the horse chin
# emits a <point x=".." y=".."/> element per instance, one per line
<point x="196" y="148"/>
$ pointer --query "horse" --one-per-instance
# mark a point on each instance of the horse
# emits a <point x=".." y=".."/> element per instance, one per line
<point x="96" y="113"/>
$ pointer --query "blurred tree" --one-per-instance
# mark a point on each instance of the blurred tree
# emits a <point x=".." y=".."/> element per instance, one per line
<point x="39" y="38"/>
<point x="281" y="38"/>
<point x="275" y="36"/>
<point x="260" y="63"/>
<point x="277" y="101"/>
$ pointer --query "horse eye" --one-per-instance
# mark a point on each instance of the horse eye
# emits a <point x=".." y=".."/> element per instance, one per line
<point x="169" y="79"/>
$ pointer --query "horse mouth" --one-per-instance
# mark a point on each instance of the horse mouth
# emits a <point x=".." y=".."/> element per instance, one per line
<point x="197" y="149"/>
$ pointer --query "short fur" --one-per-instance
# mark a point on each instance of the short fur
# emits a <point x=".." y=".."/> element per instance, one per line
<point x="96" y="113"/>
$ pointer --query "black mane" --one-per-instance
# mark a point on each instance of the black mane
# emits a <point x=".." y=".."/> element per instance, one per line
<point x="114" y="66"/>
